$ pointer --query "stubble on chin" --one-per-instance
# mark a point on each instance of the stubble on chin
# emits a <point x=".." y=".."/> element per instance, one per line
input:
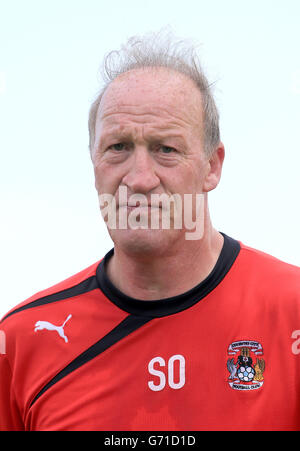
<point x="144" y="242"/>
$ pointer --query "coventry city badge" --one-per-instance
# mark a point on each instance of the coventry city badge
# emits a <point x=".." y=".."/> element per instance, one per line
<point x="245" y="365"/>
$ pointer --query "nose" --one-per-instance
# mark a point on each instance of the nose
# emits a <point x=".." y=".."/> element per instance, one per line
<point x="141" y="177"/>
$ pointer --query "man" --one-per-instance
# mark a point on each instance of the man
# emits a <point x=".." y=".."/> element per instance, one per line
<point x="179" y="327"/>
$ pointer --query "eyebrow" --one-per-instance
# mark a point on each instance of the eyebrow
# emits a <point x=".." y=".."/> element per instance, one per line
<point x="127" y="133"/>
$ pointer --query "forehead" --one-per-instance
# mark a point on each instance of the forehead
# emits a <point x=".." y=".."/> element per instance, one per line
<point x="154" y="95"/>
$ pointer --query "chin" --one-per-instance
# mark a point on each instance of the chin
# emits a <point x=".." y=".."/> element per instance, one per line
<point x="144" y="241"/>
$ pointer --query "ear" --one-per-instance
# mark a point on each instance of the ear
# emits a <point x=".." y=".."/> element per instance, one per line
<point x="215" y="164"/>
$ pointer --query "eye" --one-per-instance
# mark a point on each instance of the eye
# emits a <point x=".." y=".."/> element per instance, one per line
<point x="117" y="147"/>
<point x="167" y="149"/>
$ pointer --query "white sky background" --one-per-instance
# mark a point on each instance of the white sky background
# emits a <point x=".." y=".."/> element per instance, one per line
<point x="50" y="53"/>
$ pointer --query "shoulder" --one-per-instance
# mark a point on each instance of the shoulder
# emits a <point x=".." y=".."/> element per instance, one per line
<point x="269" y="271"/>
<point x="255" y="256"/>
<point x="75" y="285"/>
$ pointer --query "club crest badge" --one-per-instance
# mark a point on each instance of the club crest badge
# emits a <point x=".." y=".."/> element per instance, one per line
<point x="245" y="365"/>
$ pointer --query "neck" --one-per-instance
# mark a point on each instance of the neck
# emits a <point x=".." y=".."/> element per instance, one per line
<point x="152" y="277"/>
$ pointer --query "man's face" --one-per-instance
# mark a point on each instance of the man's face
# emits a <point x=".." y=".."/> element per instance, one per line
<point x="149" y="140"/>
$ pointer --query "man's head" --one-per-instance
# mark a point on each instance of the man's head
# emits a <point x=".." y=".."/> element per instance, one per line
<point x="149" y="135"/>
<point x="160" y="50"/>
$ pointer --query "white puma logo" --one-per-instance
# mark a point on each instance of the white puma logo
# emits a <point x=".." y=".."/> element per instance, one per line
<point x="40" y="325"/>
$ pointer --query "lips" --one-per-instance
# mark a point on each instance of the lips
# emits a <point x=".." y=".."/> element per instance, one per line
<point x="133" y="205"/>
<point x="139" y="208"/>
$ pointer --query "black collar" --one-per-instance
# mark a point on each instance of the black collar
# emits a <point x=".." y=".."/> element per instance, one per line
<point x="175" y="304"/>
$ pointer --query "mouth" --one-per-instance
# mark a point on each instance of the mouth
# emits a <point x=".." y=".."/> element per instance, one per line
<point x="131" y="207"/>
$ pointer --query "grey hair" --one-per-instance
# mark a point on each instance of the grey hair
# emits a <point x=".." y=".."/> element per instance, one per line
<point x="155" y="50"/>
